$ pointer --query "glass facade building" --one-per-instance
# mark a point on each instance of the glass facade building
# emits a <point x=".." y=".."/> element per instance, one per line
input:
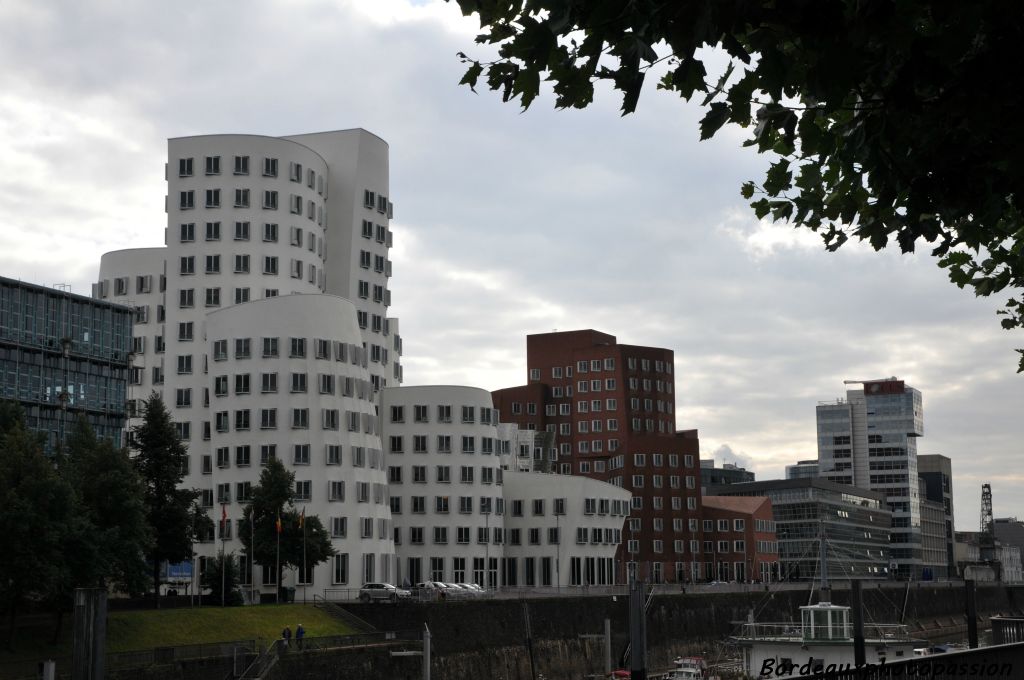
<point x="856" y="525"/>
<point x="64" y="355"/>
<point x="869" y="440"/>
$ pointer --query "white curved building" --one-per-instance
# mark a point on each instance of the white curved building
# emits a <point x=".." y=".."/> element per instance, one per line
<point x="249" y="219"/>
<point x="445" y="478"/>
<point x="300" y="393"/>
<point x="463" y="513"/>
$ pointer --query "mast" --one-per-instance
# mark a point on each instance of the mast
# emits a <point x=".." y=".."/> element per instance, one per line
<point x="826" y="590"/>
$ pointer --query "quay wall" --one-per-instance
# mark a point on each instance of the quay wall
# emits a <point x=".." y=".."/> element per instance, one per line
<point x="487" y="638"/>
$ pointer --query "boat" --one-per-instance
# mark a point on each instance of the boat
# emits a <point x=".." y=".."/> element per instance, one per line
<point x="688" y="668"/>
<point x="821" y="641"/>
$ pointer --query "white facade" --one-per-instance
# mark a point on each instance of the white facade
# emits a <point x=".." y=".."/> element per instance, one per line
<point x="463" y="513"/>
<point x="307" y="400"/>
<point x="251" y="219"/>
<point x="571" y="523"/>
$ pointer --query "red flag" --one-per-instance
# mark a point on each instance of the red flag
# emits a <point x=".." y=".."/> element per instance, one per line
<point x="302" y="518"/>
<point x="223" y="517"/>
<point x="277" y="524"/>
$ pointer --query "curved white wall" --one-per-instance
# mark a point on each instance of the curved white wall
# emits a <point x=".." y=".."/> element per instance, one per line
<point x="336" y="383"/>
<point x="453" y="541"/>
<point x="135" y="277"/>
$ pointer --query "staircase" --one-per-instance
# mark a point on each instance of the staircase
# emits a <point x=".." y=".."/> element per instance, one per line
<point x="338" y="612"/>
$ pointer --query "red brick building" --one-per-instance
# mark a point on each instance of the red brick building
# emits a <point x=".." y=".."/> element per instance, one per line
<point x="611" y="411"/>
<point x="739" y="539"/>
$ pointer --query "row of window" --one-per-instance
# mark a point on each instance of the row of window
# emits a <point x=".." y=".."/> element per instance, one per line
<point x="722" y="525"/>
<point x="242" y="231"/>
<point x="657" y="502"/>
<point x="242" y="199"/>
<point x="361" y="456"/>
<point x="443" y="444"/>
<point x="373" y="200"/>
<point x="658" y="546"/>
<point x="443" y="412"/>
<point x="607" y="364"/>
<point x="658" y="481"/>
<point x="240" y="166"/>
<point x="443" y="474"/>
<point x="241" y="264"/>
<point x="377" y="232"/>
<point x="330" y="419"/>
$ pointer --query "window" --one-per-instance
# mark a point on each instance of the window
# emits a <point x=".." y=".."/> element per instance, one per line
<point x="187" y="265"/>
<point x="241" y="198"/>
<point x="241" y="295"/>
<point x="303" y="490"/>
<point x="185" y="364"/>
<point x="270" y="203"/>
<point x="297" y="348"/>
<point x="268" y="419"/>
<point x="213" y="198"/>
<point x="301" y="454"/>
<point x="270" y="347"/>
<point x="242" y="383"/>
<point x="300" y="418"/>
<point x="333" y="454"/>
<point x="188" y="232"/>
<point x="186" y="200"/>
<point x="242" y="419"/>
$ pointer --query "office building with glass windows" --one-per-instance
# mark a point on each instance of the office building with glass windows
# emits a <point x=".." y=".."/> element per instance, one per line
<point x="855" y="524"/>
<point x="64" y="356"/>
<point x="869" y="440"/>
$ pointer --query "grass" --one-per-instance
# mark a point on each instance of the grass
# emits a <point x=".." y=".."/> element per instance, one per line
<point x="146" y="629"/>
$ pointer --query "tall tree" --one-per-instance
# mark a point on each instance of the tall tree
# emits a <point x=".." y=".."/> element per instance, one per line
<point x="886" y="121"/>
<point x="37" y="508"/>
<point x="172" y="511"/>
<point x="111" y="496"/>
<point x="272" y="500"/>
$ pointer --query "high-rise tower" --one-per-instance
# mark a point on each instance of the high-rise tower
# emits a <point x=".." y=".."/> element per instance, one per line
<point x="869" y="440"/>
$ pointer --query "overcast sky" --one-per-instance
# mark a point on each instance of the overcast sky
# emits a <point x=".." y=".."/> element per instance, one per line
<point x="506" y="223"/>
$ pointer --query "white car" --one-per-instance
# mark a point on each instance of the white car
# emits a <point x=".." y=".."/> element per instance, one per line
<point x="376" y="592"/>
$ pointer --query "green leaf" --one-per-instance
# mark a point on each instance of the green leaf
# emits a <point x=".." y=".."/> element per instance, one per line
<point x="715" y="118"/>
<point x="747" y="190"/>
<point x="472" y="75"/>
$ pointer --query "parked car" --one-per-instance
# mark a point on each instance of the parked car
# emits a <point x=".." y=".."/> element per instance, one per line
<point x="470" y="591"/>
<point x="374" y="592"/>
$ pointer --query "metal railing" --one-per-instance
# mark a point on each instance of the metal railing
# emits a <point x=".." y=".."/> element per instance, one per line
<point x="163" y="655"/>
<point x="1007" y="629"/>
<point x="335" y="610"/>
<point x="891" y="632"/>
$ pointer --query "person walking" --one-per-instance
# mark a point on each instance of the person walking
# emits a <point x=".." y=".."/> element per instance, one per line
<point x="286" y="635"/>
<point x="300" y="633"/>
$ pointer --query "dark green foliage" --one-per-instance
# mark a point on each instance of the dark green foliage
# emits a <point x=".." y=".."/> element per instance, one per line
<point x="37" y="519"/>
<point x="222" y="571"/>
<point x="891" y="121"/>
<point x="173" y="514"/>
<point x="110" y="497"/>
<point x="272" y="499"/>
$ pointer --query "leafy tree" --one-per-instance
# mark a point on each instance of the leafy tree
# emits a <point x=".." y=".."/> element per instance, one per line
<point x="110" y="494"/>
<point x="886" y="121"/>
<point x="37" y="516"/>
<point x="222" y="571"/>
<point x="272" y="499"/>
<point x="172" y="512"/>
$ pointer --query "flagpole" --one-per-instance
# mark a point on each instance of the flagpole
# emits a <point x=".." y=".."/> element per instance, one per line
<point x="305" y="574"/>
<point x="252" y="552"/>
<point x="278" y="567"/>
<point x="223" y="562"/>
